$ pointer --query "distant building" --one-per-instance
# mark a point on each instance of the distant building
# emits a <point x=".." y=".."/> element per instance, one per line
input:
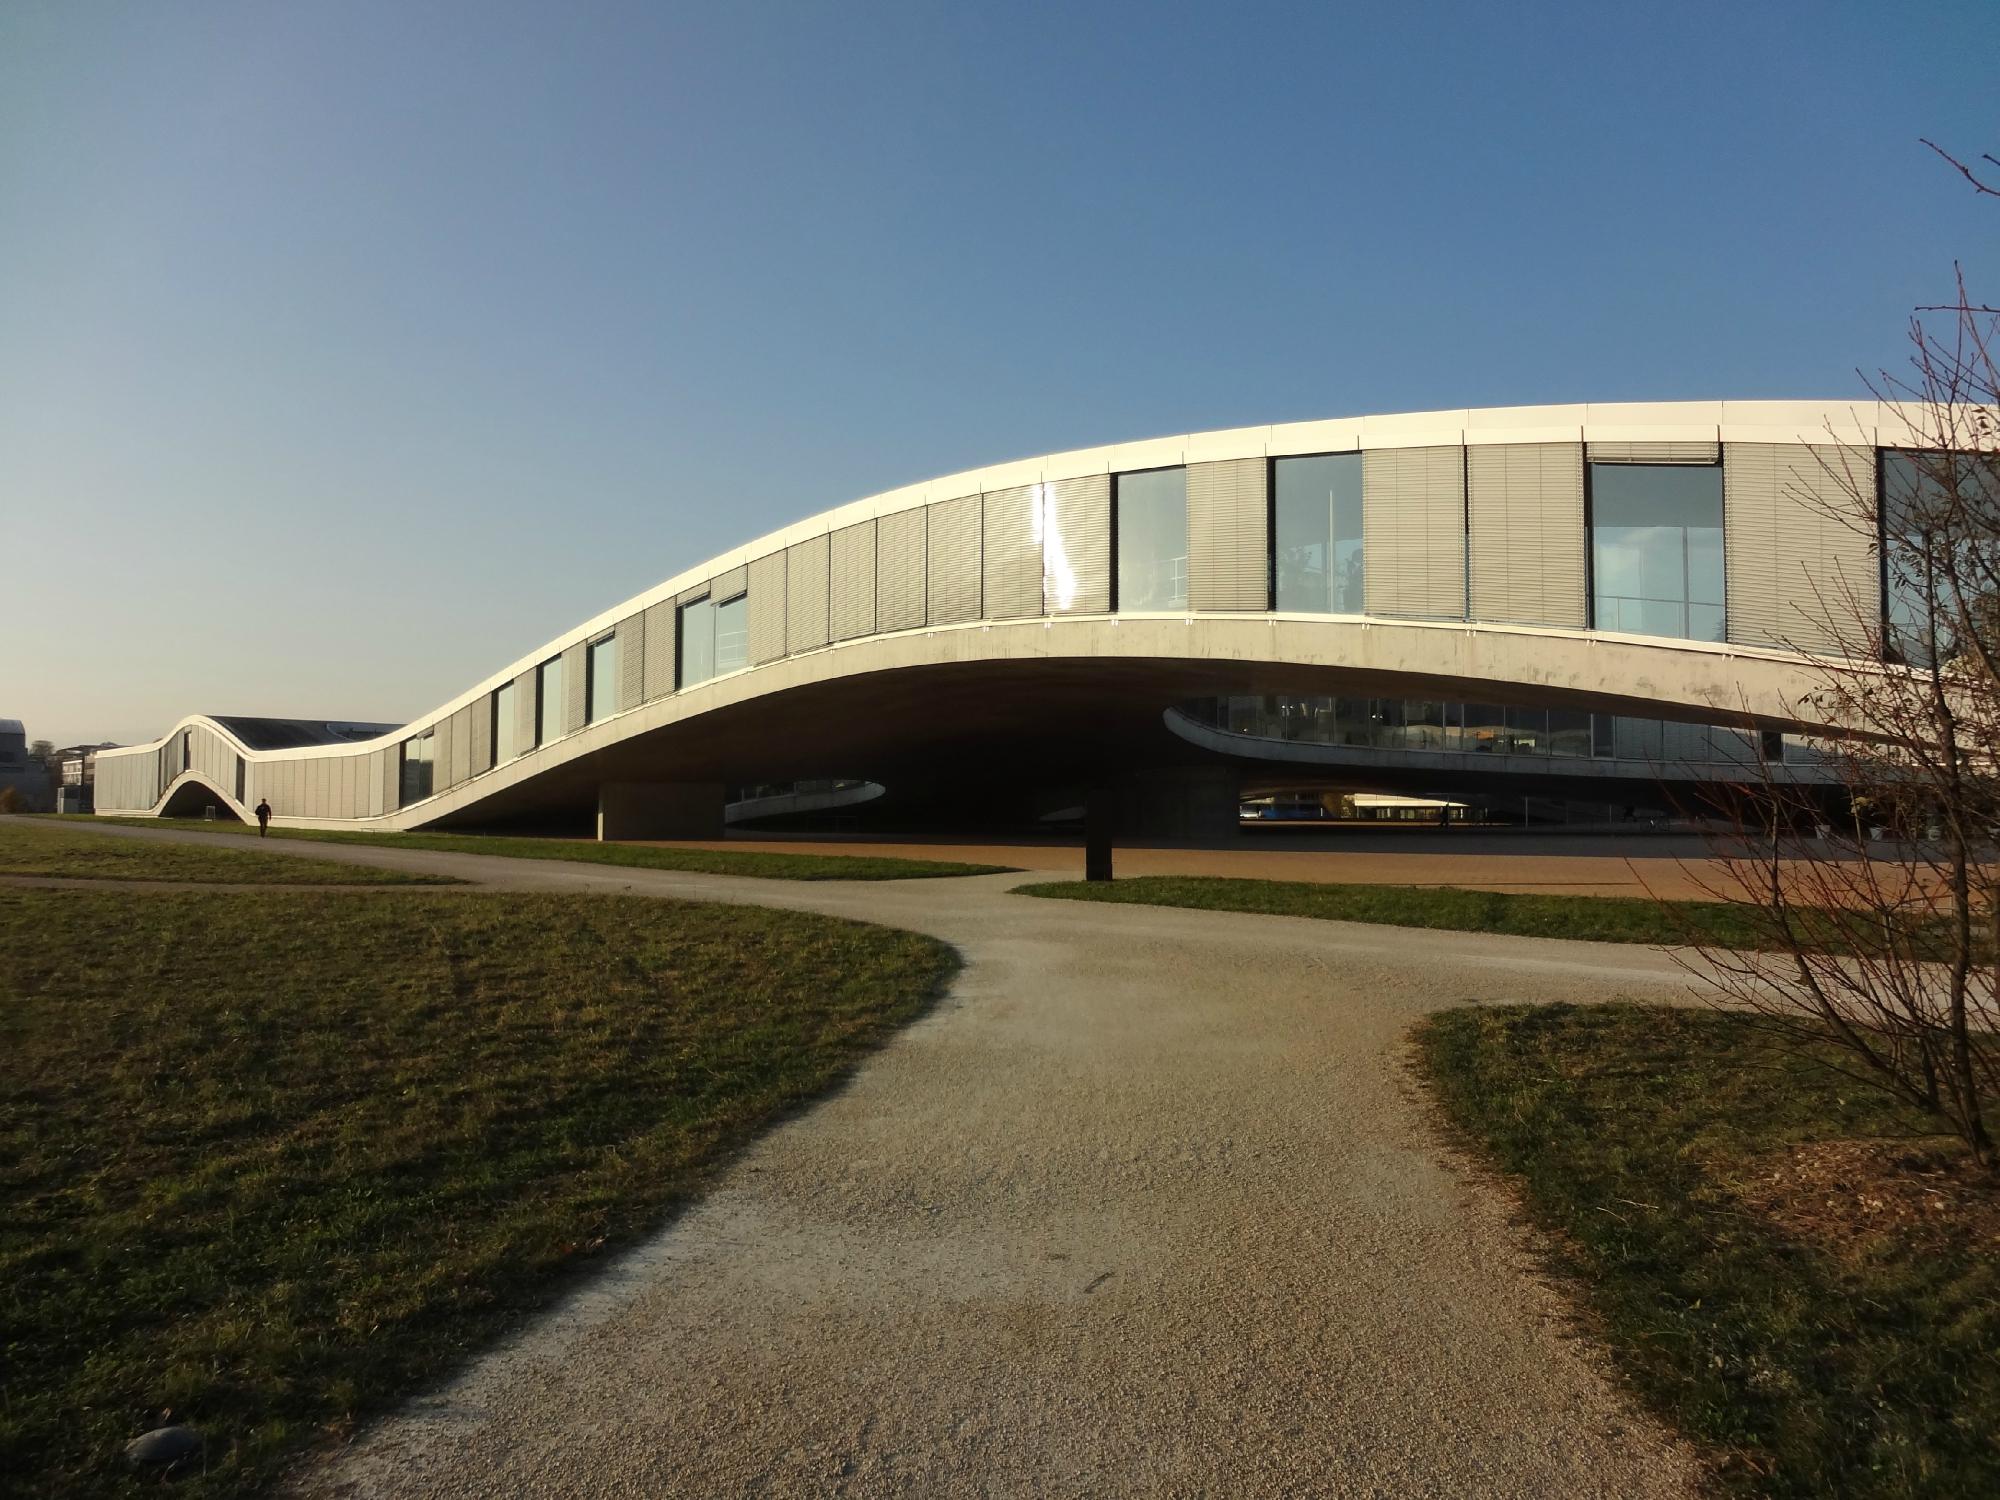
<point x="29" y="780"/>
<point x="76" y="777"/>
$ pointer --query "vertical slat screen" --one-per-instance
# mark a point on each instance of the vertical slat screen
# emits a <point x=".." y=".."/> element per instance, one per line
<point x="372" y="775"/>
<point x="1797" y="523"/>
<point x="851" y="609"/>
<point x="392" y="774"/>
<point x="805" y="594"/>
<point x="482" y="735"/>
<point x="344" y="787"/>
<point x="899" y="570"/>
<point x="461" y="745"/>
<point x="441" y="754"/>
<point x="953" y="561"/>
<point x="631" y="661"/>
<point x="524" y="710"/>
<point x="1655" y="453"/>
<point x="1413" y="531"/>
<point x="1011" y="553"/>
<point x="661" y="625"/>
<point x="1076" y="545"/>
<point x="1526" y="509"/>
<point x="1229" y="535"/>
<point x="767" y="609"/>
<point x="576" y="662"/>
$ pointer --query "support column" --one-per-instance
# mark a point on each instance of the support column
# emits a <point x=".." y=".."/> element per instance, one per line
<point x="659" y="810"/>
<point x="1100" y="818"/>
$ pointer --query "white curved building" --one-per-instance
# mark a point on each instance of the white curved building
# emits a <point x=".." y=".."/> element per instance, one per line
<point x="1035" y="624"/>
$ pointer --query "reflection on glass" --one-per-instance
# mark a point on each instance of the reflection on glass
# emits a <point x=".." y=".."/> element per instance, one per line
<point x="1933" y="504"/>
<point x="506" y="726"/>
<point x="1152" y="540"/>
<point x="732" y="635"/>
<point x="1473" y="729"/>
<point x="1656" y="549"/>
<point x="415" y="782"/>
<point x="1316" y="543"/>
<point x="549" y="701"/>
<point x="600" y="687"/>
<point x="696" y="661"/>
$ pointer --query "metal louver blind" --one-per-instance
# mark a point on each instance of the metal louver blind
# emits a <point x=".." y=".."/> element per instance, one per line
<point x="1655" y="453"/>
<point x="954" y="560"/>
<point x="899" y="570"/>
<point x="392" y="775"/>
<point x="1526" y="509"/>
<point x="441" y="755"/>
<point x="461" y="745"/>
<point x="524" y="710"/>
<point x="482" y="734"/>
<point x="1799" y="571"/>
<point x="1229" y="535"/>
<point x="767" y="609"/>
<point x="631" y="661"/>
<point x="372" y="775"/>
<point x="575" y="666"/>
<point x="1413" y="531"/>
<point x="1011" y="553"/>
<point x="1076" y="545"/>
<point x="661" y="623"/>
<point x="727" y="586"/>
<point x="805" y="594"/>
<point x="851" y="566"/>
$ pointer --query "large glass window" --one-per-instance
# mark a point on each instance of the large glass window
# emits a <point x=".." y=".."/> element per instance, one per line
<point x="1940" y="519"/>
<point x="1656" y="549"/>
<point x="600" y="683"/>
<point x="417" y="762"/>
<point x="1316" y="542"/>
<point x="506" y="726"/>
<point x="696" y="648"/>
<point x="732" y="635"/>
<point x="1152" y="540"/>
<point x="549" y="701"/>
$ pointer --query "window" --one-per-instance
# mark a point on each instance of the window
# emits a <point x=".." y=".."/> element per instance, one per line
<point x="600" y="680"/>
<point x="1152" y="540"/>
<point x="695" y="652"/>
<point x="1316" y="535"/>
<point x="1656" y="549"/>
<point x="732" y="635"/>
<point x="417" y="761"/>
<point x="1934" y="505"/>
<point x="549" y="701"/>
<point x="506" y="725"/>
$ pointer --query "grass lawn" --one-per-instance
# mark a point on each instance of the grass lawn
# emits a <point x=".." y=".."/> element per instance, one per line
<point x="1604" y="919"/>
<point x="34" y="846"/>
<point x="588" y="851"/>
<point x="1785" y="1266"/>
<point x="269" y="1162"/>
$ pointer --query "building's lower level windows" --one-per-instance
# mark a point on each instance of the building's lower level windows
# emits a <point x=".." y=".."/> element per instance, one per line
<point x="1656" y="550"/>
<point x="1316" y="536"/>
<point x="417" y="762"/>
<point x="1152" y="540"/>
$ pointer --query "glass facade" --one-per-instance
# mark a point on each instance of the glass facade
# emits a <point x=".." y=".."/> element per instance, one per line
<point x="1485" y="729"/>
<point x="1152" y="540"/>
<point x="695" y="644"/>
<point x="549" y="701"/>
<point x="1656" y="549"/>
<point x="600" y="683"/>
<point x="416" y="768"/>
<point x="1316" y="552"/>
<point x="1940" y="515"/>
<point x="506" y="726"/>
<point x="732" y="635"/>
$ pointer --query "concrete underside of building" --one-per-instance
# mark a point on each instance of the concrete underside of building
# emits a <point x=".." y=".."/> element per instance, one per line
<point x="984" y="646"/>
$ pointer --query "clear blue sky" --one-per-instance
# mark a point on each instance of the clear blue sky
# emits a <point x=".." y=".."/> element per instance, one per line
<point x="415" y="333"/>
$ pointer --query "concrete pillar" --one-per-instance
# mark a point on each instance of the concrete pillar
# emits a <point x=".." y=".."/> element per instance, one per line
<point x="659" y="810"/>
<point x="1100" y="817"/>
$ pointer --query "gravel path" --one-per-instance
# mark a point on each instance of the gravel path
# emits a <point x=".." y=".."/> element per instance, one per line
<point x="1147" y="1206"/>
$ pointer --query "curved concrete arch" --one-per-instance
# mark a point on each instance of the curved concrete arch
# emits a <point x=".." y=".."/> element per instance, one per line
<point x="1034" y="675"/>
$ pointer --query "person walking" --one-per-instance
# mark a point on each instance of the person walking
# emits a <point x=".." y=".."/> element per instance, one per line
<point x="263" y="818"/>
